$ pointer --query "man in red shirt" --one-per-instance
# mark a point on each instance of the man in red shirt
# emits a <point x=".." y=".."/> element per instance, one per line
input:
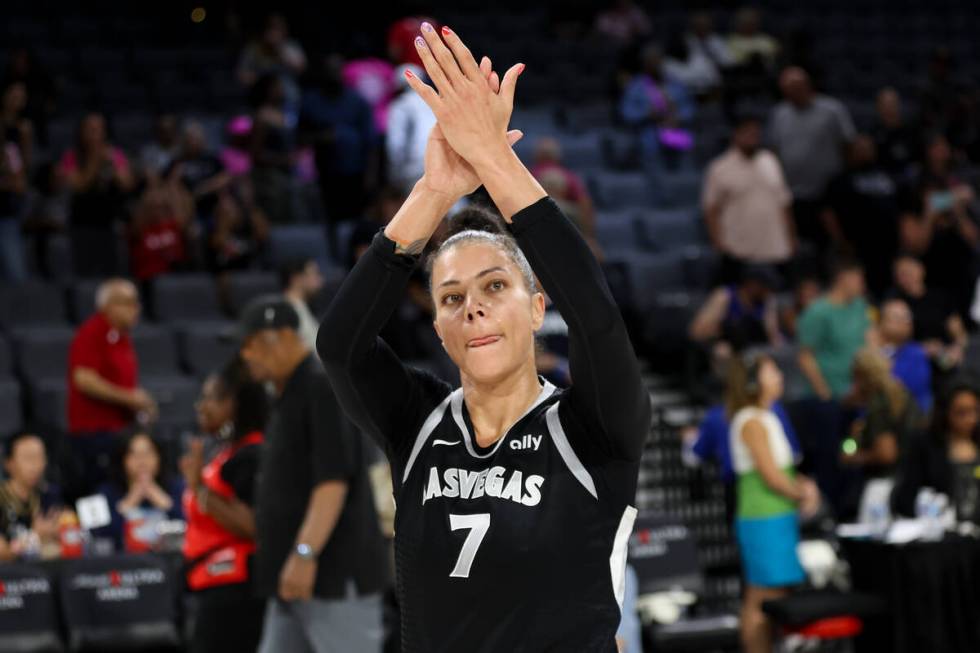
<point x="103" y="396"/>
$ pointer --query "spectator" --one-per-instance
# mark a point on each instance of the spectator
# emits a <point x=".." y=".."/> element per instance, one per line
<point x="23" y="67"/>
<point x="944" y="106"/>
<point x="938" y="225"/>
<point x="805" y="292"/>
<point x="551" y="351"/>
<point x="375" y="81"/>
<point x="747" y="204"/>
<point x="710" y="442"/>
<point x="935" y="321"/>
<point x="863" y="212"/>
<point x="945" y="458"/>
<point x="239" y="231"/>
<point x="660" y="108"/>
<point x="301" y="280"/>
<point x="386" y="204"/>
<point x="338" y="122"/>
<point x="909" y="361"/>
<point x="236" y="156"/>
<point x="47" y="214"/>
<point x="98" y="176"/>
<point x="274" y="53"/>
<point x="219" y="502"/>
<point x="896" y="140"/>
<point x="199" y="170"/>
<point x="103" y="395"/>
<point x="401" y="39"/>
<point x="321" y="559"/>
<point x="623" y="23"/>
<point x="888" y="419"/>
<point x="17" y="135"/>
<point x="139" y="494"/>
<point x="748" y="44"/>
<point x="809" y="133"/>
<point x="704" y="42"/>
<point x="23" y="524"/>
<point x="410" y="121"/>
<point x="769" y="494"/>
<point x="547" y="159"/>
<point x="740" y="315"/>
<point x="832" y="330"/>
<point x="691" y="68"/>
<point x="272" y="149"/>
<point x="161" y="232"/>
<point x="156" y="157"/>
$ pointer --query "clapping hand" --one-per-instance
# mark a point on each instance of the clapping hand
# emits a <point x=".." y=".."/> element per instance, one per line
<point x="472" y="116"/>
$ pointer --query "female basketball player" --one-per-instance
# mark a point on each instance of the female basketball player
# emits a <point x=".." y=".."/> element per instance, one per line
<point x="513" y="498"/>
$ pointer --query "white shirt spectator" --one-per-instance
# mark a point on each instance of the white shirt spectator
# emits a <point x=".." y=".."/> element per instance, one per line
<point x="409" y="122"/>
<point x="751" y="196"/>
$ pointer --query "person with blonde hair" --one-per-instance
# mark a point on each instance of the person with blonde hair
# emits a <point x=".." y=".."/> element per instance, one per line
<point x="769" y="493"/>
<point x="889" y="417"/>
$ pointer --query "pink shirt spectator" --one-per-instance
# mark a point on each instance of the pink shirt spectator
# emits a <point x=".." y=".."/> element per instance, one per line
<point x="371" y="78"/>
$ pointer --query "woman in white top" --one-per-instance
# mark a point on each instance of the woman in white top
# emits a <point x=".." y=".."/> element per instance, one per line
<point x="768" y="493"/>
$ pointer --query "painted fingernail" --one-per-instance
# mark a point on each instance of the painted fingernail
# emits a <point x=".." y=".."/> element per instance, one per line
<point x="446" y="31"/>
<point x="521" y="69"/>
<point x="419" y="42"/>
<point x="408" y="73"/>
<point x="426" y="27"/>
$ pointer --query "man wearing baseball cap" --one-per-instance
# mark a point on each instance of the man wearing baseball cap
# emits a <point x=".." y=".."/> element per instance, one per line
<point x="321" y="561"/>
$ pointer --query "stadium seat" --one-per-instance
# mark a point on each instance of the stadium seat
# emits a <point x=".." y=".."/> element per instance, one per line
<point x="678" y="189"/>
<point x="290" y="242"/>
<point x="586" y="117"/>
<point x="156" y="350"/>
<point x="621" y="190"/>
<point x="31" y="303"/>
<point x="175" y="397"/>
<point x="245" y="286"/>
<point x="81" y="299"/>
<point x="120" y="603"/>
<point x="11" y="407"/>
<point x="206" y="347"/>
<point x="616" y="231"/>
<point x="190" y="297"/>
<point x="667" y="230"/>
<point x="48" y="400"/>
<point x="581" y="152"/>
<point x="6" y="358"/>
<point x="29" y="618"/>
<point x="42" y="353"/>
<point x="649" y="275"/>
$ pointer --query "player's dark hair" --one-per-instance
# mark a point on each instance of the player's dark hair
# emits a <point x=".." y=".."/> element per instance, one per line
<point x="474" y="224"/>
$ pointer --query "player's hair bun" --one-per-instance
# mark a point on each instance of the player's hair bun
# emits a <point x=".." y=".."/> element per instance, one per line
<point x="474" y="218"/>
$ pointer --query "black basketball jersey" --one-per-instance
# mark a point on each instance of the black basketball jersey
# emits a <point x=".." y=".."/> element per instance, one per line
<point x="520" y="546"/>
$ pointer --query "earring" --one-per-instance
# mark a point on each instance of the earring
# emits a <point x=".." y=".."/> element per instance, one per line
<point x="226" y="430"/>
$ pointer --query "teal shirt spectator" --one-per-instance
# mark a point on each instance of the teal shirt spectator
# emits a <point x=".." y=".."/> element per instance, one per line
<point x="834" y="333"/>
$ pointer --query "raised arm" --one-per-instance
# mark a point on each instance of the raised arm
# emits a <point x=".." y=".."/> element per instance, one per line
<point x="607" y="390"/>
<point x="375" y="389"/>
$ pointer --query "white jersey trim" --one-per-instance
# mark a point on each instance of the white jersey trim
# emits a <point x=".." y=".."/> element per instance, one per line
<point x="430" y="424"/>
<point x="547" y="390"/>
<point x="617" y="559"/>
<point x="567" y="453"/>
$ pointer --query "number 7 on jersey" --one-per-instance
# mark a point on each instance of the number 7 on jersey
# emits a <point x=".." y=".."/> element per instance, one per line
<point x="478" y="525"/>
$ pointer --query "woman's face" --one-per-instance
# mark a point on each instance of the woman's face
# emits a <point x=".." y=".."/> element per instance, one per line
<point x="770" y="380"/>
<point x="939" y="153"/>
<point x="963" y="413"/>
<point x="15" y="98"/>
<point x="213" y="409"/>
<point x="485" y="315"/>
<point x="142" y="461"/>
<point x="93" y="130"/>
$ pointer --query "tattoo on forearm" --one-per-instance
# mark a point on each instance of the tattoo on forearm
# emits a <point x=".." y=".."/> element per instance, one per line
<point x="414" y="248"/>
